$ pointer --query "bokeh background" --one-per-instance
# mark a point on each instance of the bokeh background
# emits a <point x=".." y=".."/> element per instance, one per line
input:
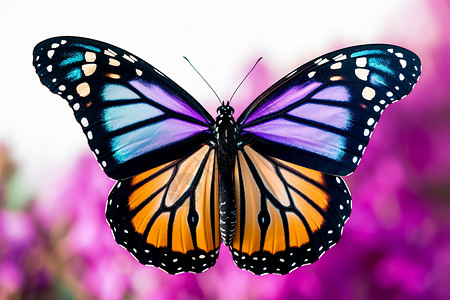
<point x="54" y="240"/>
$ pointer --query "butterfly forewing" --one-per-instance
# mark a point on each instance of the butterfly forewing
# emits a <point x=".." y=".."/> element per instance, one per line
<point x="287" y="215"/>
<point x="322" y="114"/>
<point x="134" y="117"/>
<point x="168" y="216"/>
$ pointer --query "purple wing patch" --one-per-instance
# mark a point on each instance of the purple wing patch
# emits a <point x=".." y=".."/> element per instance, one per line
<point x="285" y="99"/>
<point x="168" y="100"/>
<point x="337" y="117"/>
<point x="333" y="93"/>
<point x="301" y="136"/>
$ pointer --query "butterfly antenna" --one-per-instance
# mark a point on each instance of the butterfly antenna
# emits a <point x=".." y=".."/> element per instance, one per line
<point x="244" y="80"/>
<point x="221" y="102"/>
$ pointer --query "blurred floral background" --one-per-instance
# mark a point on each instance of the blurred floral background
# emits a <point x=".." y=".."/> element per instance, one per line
<point x="56" y="244"/>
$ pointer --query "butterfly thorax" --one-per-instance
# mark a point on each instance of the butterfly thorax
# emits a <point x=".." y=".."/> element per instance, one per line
<point x="225" y="129"/>
<point x="226" y="135"/>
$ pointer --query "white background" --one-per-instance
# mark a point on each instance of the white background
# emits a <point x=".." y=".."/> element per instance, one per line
<point x="222" y="39"/>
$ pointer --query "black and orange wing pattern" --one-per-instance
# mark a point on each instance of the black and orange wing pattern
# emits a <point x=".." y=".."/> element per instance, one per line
<point x="168" y="216"/>
<point x="287" y="215"/>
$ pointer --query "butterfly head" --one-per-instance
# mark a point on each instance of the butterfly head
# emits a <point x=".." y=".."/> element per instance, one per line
<point x="225" y="110"/>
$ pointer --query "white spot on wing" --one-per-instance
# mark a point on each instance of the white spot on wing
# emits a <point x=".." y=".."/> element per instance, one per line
<point x="403" y="63"/>
<point x="128" y="58"/>
<point x="114" y="62"/>
<point x="89" y="69"/>
<point x="90" y="56"/>
<point x="336" y="66"/>
<point x="322" y="61"/>
<point x="84" y="122"/>
<point x="368" y="93"/>
<point x="362" y="73"/>
<point x="111" y="53"/>
<point x="361" y="62"/>
<point x="340" y="57"/>
<point x="83" y="89"/>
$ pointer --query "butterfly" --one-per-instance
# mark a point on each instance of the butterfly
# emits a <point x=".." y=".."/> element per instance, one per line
<point x="268" y="184"/>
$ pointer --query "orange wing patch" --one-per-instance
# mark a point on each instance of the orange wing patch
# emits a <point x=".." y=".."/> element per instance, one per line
<point x="251" y="233"/>
<point x="168" y="216"/>
<point x="287" y="215"/>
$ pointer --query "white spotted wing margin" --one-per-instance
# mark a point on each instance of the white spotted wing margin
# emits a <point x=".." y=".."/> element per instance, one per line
<point x="168" y="217"/>
<point x="287" y="215"/>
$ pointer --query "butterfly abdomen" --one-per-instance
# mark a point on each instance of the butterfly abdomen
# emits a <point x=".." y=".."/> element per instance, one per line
<point x="226" y="135"/>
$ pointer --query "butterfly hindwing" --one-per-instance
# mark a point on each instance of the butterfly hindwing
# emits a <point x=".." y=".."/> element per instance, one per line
<point x="322" y="114"/>
<point x="134" y="117"/>
<point x="287" y="215"/>
<point x="168" y="217"/>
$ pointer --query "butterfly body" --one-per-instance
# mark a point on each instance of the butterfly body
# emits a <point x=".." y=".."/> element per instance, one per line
<point x="226" y="134"/>
<point x="267" y="183"/>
